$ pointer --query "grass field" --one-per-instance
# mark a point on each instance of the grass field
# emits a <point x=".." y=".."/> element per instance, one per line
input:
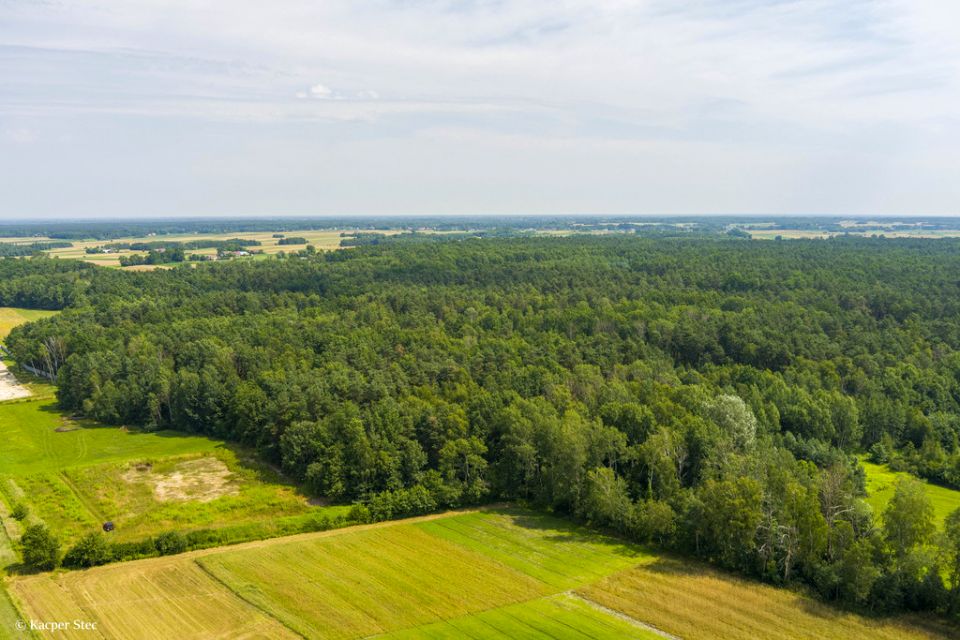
<point x="11" y="317"/>
<point x="76" y="474"/>
<point x="436" y="577"/>
<point x="880" y="484"/>
<point x="560" y="616"/>
<point x="30" y="442"/>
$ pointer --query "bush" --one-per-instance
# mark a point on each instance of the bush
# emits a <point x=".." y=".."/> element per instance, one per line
<point x="90" y="551"/>
<point x="20" y="511"/>
<point x="41" y="549"/>
<point x="170" y="543"/>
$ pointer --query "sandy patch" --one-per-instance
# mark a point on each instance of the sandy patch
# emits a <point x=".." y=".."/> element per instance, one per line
<point x="200" y="480"/>
<point x="10" y="389"/>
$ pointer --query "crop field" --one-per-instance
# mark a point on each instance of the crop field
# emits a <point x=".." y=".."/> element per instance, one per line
<point x="443" y="576"/>
<point x="323" y="240"/>
<point x="880" y="483"/>
<point x="696" y="603"/>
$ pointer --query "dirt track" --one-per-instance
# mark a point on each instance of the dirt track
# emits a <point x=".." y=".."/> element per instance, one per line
<point x="10" y="389"/>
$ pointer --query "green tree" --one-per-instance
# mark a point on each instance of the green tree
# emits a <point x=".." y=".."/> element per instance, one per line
<point x="41" y="549"/>
<point x="908" y="518"/>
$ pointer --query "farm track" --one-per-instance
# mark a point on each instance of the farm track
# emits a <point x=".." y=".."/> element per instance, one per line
<point x="621" y="616"/>
<point x="82" y="498"/>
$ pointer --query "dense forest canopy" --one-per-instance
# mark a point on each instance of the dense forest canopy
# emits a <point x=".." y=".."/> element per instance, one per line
<point x="706" y="394"/>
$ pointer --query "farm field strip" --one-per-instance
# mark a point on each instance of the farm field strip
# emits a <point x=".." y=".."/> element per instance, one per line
<point x="173" y="600"/>
<point x="371" y="582"/>
<point x="560" y="556"/>
<point x="400" y="579"/>
<point x="32" y="444"/>
<point x="10" y="317"/>
<point x="697" y="603"/>
<point x="557" y="616"/>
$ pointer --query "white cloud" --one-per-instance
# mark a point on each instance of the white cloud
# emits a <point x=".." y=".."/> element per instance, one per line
<point x="321" y="91"/>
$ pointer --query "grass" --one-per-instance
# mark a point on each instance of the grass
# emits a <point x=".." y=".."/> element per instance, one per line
<point x="175" y="600"/>
<point x="559" y="616"/>
<point x="696" y="603"/>
<point x="30" y="442"/>
<point x="445" y="576"/>
<point x="880" y="486"/>
<point x="551" y="550"/>
<point x="75" y="480"/>
<point x="370" y="582"/>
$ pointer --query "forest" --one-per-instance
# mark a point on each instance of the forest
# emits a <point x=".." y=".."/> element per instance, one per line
<point x="710" y="395"/>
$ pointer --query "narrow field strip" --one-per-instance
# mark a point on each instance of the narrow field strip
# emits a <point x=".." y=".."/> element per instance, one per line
<point x="176" y="602"/>
<point x="622" y="616"/>
<point x="557" y="617"/>
<point x="698" y="603"/>
<point x="369" y="583"/>
<point x="554" y="552"/>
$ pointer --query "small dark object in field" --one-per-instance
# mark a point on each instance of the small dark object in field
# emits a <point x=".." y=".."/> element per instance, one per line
<point x="108" y="526"/>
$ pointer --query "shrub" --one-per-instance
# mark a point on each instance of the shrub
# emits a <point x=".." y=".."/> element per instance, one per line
<point x="41" y="549"/>
<point x="170" y="543"/>
<point x="90" y="551"/>
<point x="20" y="511"/>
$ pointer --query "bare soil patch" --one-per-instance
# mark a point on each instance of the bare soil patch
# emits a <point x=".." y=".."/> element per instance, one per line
<point x="10" y="388"/>
<point x="200" y="480"/>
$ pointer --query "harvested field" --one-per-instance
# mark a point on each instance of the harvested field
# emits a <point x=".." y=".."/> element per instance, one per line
<point x="698" y="603"/>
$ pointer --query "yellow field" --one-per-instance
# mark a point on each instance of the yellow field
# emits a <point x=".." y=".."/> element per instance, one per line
<point x="696" y="603"/>
<point x="323" y="240"/>
<point x="443" y="576"/>
<point x="147" y="600"/>
<point x="11" y="317"/>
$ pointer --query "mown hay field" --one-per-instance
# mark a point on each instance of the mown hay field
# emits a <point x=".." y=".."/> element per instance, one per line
<point x="698" y="603"/>
<point x="10" y="317"/>
<point x="499" y="573"/>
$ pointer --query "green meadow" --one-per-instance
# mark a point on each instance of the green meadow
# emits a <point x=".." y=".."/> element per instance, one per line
<point x="880" y="486"/>
<point x="74" y="474"/>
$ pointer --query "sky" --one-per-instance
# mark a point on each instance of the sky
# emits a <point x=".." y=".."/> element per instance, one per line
<point x="147" y="108"/>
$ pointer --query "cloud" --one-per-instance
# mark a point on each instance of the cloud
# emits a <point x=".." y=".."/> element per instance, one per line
<point x="321" y="91"/>
<point x="785" y="85"/>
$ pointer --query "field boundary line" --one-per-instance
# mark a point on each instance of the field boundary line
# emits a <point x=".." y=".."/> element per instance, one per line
<point x="621" y="615"/>
<point x="188" y="556"/>
<point x="239" y="596"/>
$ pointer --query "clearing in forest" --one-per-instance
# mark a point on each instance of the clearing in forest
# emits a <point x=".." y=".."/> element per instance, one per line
<point x="76" y="474"/>
<point x="880" y="486"/>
